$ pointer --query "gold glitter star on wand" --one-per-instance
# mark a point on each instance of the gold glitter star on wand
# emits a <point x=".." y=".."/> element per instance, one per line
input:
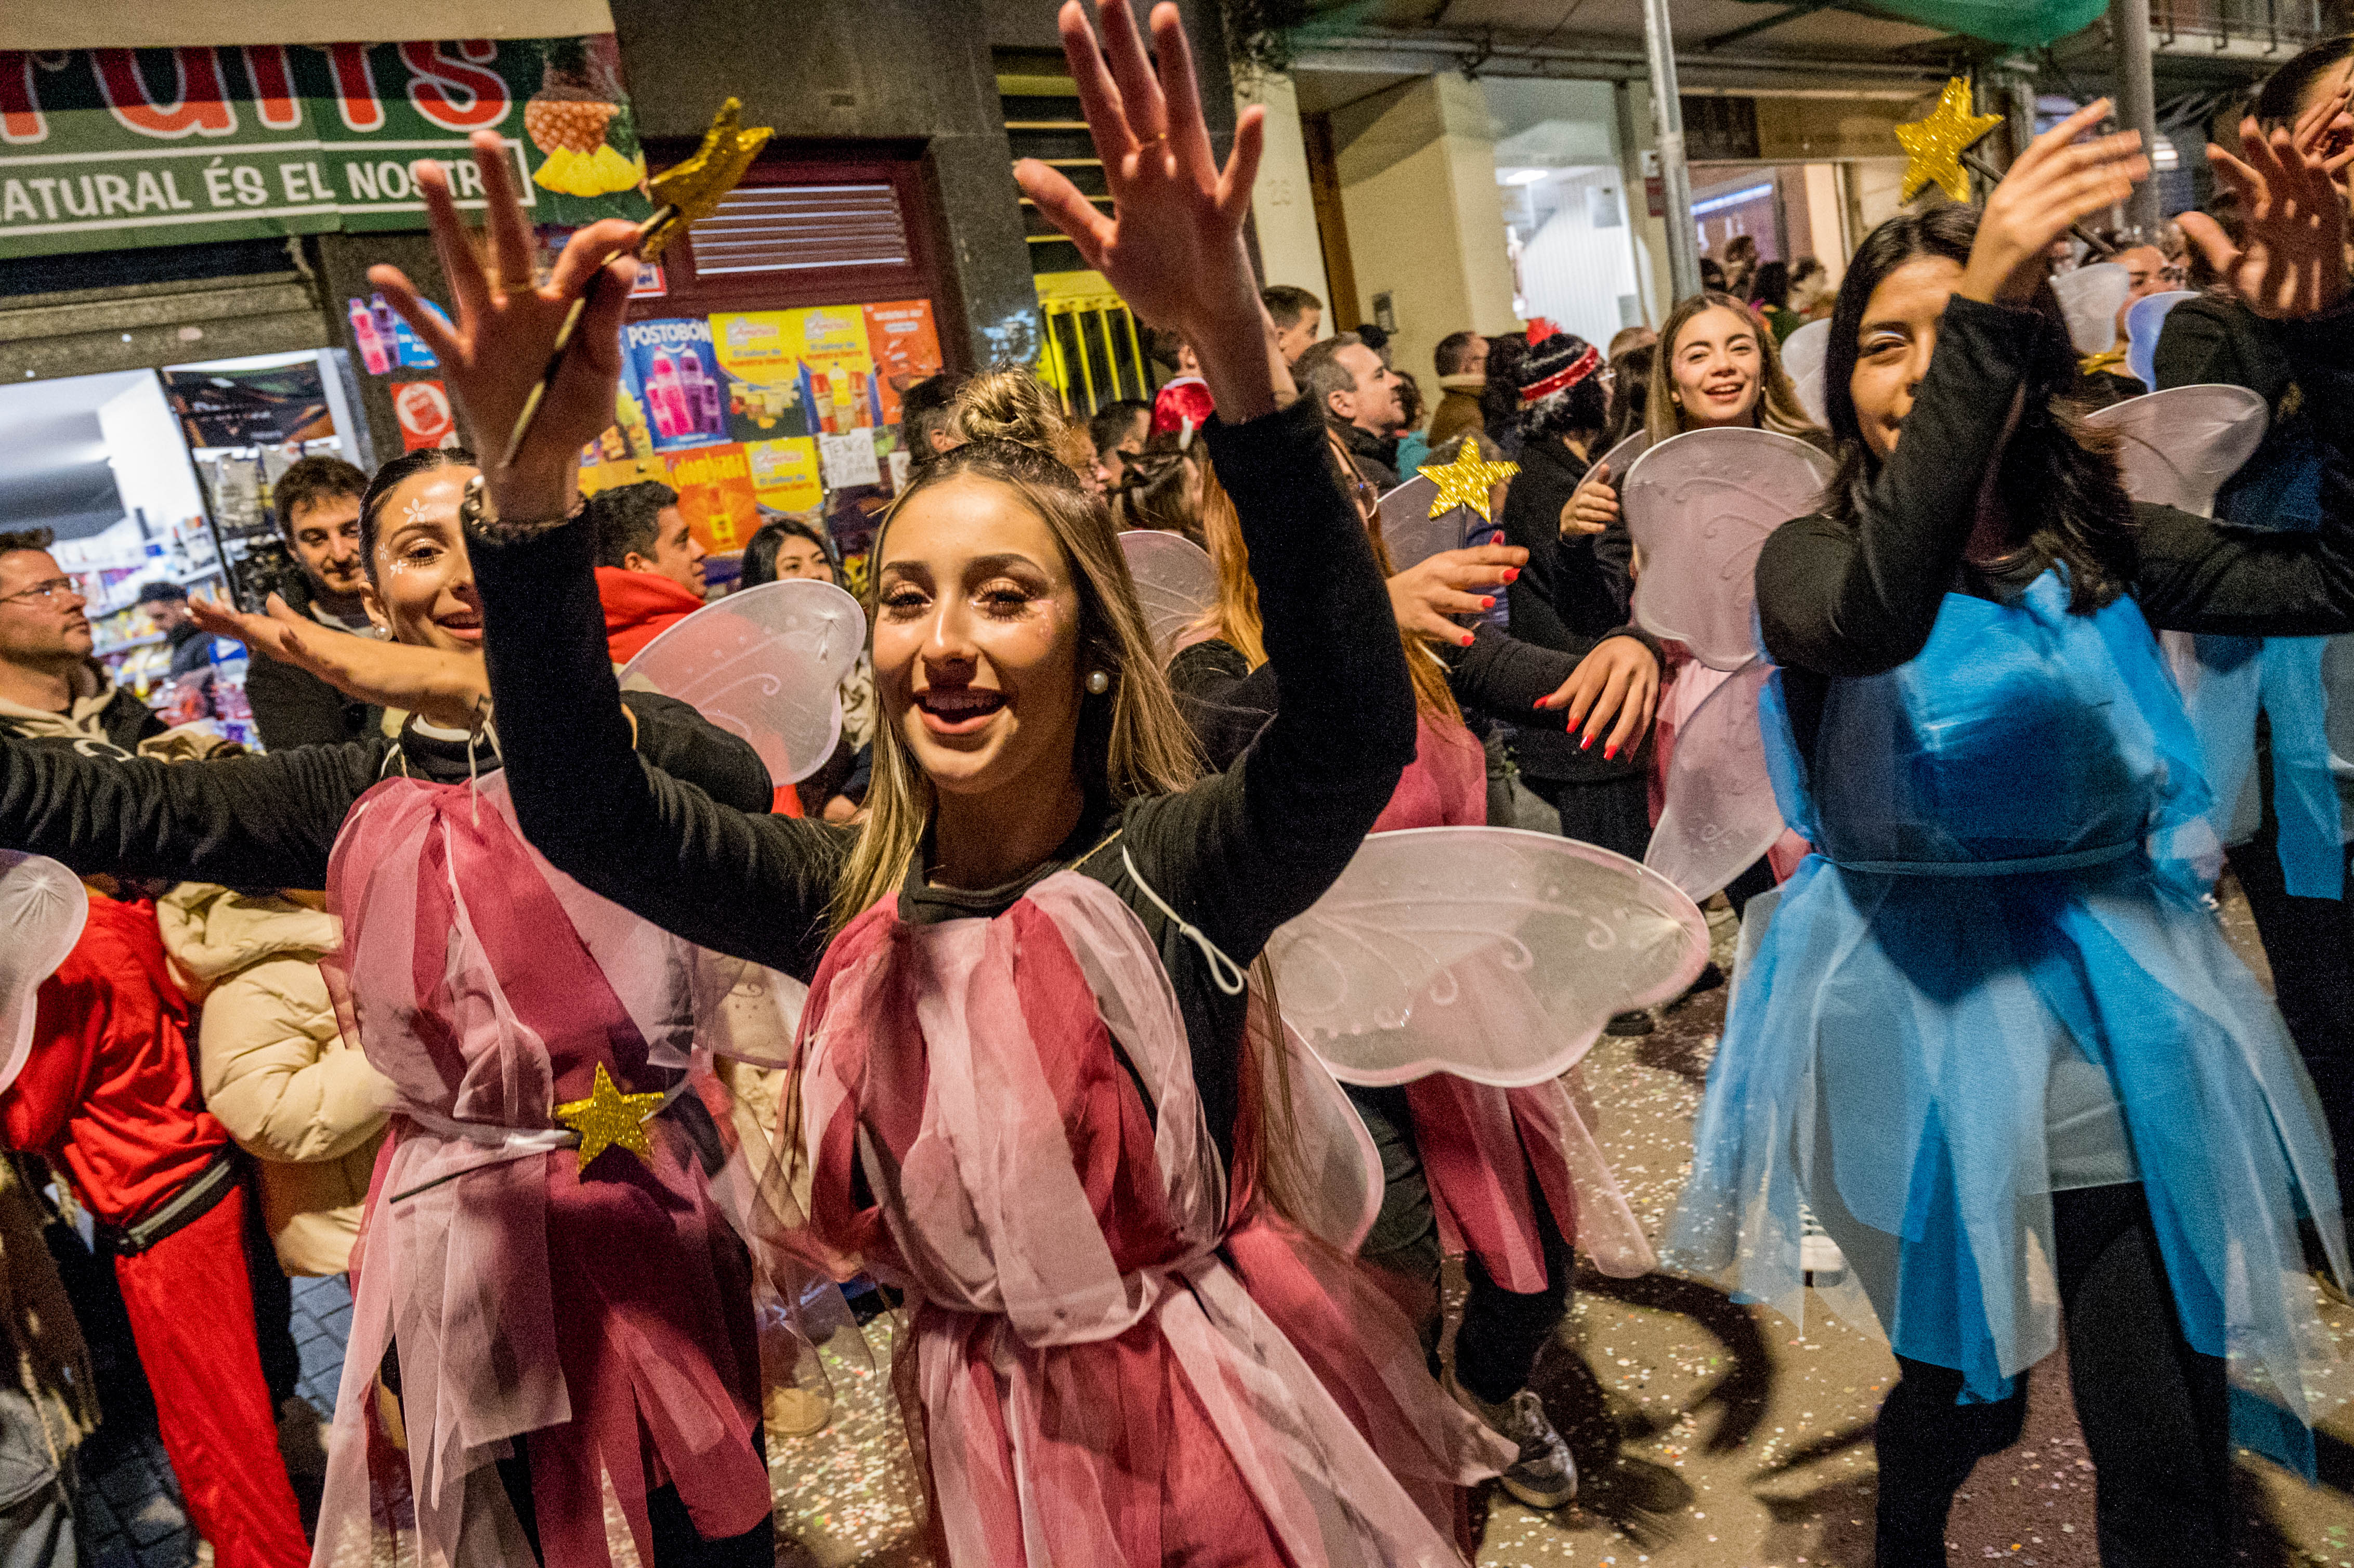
<point x="1934" y="147"/>
<point x="609" y="1118"/>
<point x="1469" y="480"/>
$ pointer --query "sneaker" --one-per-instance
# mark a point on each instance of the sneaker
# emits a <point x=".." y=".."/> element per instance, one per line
<point x="1544" y="1476"/>
<point x="1626" y="1023"/>
<point x="1818" y="1253"/>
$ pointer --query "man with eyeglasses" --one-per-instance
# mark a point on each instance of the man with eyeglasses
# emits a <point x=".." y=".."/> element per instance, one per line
<point x="109" y="1097"/>
<point x="47" y="685"/>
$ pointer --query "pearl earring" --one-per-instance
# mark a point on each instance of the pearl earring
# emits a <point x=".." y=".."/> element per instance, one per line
<point x="1098" y="683"/>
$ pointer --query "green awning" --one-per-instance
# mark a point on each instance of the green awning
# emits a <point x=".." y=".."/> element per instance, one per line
<point x="2021" y="23"/>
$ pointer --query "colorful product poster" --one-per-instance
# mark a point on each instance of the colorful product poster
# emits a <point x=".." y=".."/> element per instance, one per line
<point x="759" y="355"/>
<point x="837" y="374"/>
<point x="673" y="373"/>
<point x="715" y="495"/>
<point x="785" y="474"/>
<point x="906" y="348"/>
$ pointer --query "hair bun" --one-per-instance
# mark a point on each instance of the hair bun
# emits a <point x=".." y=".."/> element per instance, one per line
<point x="1007" y="403"/>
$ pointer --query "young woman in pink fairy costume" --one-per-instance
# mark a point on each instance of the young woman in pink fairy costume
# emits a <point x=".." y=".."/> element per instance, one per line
<point x="1031" y="1093"/>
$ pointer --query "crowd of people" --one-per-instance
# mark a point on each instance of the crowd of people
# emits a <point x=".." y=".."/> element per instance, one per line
<point x="590" y="1053"/>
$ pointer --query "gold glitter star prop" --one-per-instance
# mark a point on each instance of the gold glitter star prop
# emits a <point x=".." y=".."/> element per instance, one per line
<point x="1934" y="147"/>
<point x="1469" y="480"/>
<point x="609" y="1118"/>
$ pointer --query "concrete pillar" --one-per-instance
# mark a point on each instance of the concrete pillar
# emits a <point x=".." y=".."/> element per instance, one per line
<point x="1637" y="160"/>
<point x="2136" y="101"/>
<point x="1417" y="167"/>
<point x="1282" y="208"/>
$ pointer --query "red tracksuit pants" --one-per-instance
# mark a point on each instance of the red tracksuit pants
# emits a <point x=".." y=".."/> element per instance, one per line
<point x="191" y="1306"/>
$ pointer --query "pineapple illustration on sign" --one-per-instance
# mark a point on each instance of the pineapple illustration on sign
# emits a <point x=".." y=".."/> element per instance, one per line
<point x="567" y="120"/>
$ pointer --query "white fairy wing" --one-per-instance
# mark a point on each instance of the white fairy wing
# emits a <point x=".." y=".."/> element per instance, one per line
<point x="1176" y="583"/>
<point x="1804" y="351"/>
<point x="1412" y="535"/>
<point x="1489" y="953"/>
<point x="2144" y="322"/>
<point x="1621" y="457"/>
<point x="1810" y="388"/>
<point x="1720" y="814"/>
<point x="2091" y="297"/>
<point x="766" y="664"/>
<point x="42" y="909"/>
<point x="1332" y="1172"/>
<point x="1699" y="506"/>
<point x="2178" y="447"/>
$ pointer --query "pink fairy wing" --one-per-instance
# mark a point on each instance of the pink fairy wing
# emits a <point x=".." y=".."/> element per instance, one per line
<point x="766" y="664"/>
<point x="1720" y="814"/>
<point x="1621" y="457"/>
<point x="42" y="910"/>
<point x="1699" y="506"/>
<point x="1176" y="585"/>
<point x="2178" y="448"/>
<point x="1487" y="952"/>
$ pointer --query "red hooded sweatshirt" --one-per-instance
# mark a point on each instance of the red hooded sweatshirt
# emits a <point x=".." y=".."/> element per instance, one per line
<point x="639" y="608"/>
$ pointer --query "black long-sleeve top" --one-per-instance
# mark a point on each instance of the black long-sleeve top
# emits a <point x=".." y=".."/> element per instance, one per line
<point x="1566" y="598"/>
<point x="271" y="821"/>
<point x="1235" y="855"/>
<point x="1839" y="599"/>
<point x="1227" y="702"/>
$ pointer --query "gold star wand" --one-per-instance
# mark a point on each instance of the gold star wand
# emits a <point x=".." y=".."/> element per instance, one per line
<point x="688" y="190"/>
<point x="1938" y="148"/>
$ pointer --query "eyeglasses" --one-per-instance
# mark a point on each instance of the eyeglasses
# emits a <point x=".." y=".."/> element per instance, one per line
<point x="46" y="592"/>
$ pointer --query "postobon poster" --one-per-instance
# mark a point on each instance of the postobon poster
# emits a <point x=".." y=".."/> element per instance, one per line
<point x="673" y="378"/>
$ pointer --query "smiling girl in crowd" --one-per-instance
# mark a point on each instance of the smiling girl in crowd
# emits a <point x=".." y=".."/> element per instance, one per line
<point x="1029" y="1094"/>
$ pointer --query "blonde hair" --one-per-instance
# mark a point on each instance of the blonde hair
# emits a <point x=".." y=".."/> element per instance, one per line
<point x="1236" y="620"/>
<point x="1132" y="741"/>
<point x="1777" y="408"/>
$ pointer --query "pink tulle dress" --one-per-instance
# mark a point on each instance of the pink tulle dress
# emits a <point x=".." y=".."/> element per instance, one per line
<point x="1468" y="1134"/>
<point x="601" y="1317"/>
<point x="1117" y="1354"/>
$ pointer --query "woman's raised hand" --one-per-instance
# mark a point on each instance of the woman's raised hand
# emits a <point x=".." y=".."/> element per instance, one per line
<point x="1171" y="245"/>
<point x="1423" y="596"/>
<point x="1616" y="687"/>
<point x="440" y="684"/>
<point x="2057" y="181"/>
<point x="507" y="331"/>
<point x="1593" y="507"/>
<point x="2292" y="257"/>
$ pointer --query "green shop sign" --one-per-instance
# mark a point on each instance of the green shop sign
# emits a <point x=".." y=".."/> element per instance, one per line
<point x="101" y="149"/>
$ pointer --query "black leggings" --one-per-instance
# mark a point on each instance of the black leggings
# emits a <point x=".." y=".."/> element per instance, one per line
<point x="2153" y="1409"/>
<point x="1613" y="813"/>
<point x="676" y="1544"/>
<point x="1503" y="1330"/>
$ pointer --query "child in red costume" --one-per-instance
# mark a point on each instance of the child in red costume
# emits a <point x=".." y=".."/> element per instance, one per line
<point x="109" y="1097"/>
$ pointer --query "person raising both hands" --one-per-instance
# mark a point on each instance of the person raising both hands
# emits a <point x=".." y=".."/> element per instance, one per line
<point x="1032" y="1090"/>
<point x="2037" y="1092"/>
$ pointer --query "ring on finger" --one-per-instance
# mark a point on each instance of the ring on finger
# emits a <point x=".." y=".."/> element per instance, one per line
<point x="1157" y="136"/>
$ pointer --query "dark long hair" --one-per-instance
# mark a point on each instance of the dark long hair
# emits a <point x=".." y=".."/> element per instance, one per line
<point x="424" y="459"/>
<point x="2058" y="481"/>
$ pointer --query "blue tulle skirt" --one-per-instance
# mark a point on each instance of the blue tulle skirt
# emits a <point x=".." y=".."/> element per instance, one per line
<point x="2004" y="876"/>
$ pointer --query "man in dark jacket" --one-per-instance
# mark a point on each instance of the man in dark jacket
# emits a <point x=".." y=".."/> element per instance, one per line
<point x="1359" y="396"/>
<point x="317" y="503"/>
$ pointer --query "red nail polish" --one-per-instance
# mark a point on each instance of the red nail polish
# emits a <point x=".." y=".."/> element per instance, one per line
<point x="1609" y="754"/>
<point x="1511" y="574"/>
<point x="1586" y="744"/>
<point x="1467" y="640"/>
<point x="1488" y="602"/>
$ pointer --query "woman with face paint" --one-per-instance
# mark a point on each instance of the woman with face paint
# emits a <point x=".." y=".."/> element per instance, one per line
<point x="1992" y="1036"/>
<point x="506" y="1422"/>
<point x="1033" y="1089"/>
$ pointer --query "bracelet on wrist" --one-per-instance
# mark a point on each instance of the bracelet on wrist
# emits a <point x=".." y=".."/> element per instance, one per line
<point x="478" y="514"/>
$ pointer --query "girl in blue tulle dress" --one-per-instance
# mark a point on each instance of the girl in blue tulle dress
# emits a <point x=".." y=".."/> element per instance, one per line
<point x="1991" y="1032"/>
